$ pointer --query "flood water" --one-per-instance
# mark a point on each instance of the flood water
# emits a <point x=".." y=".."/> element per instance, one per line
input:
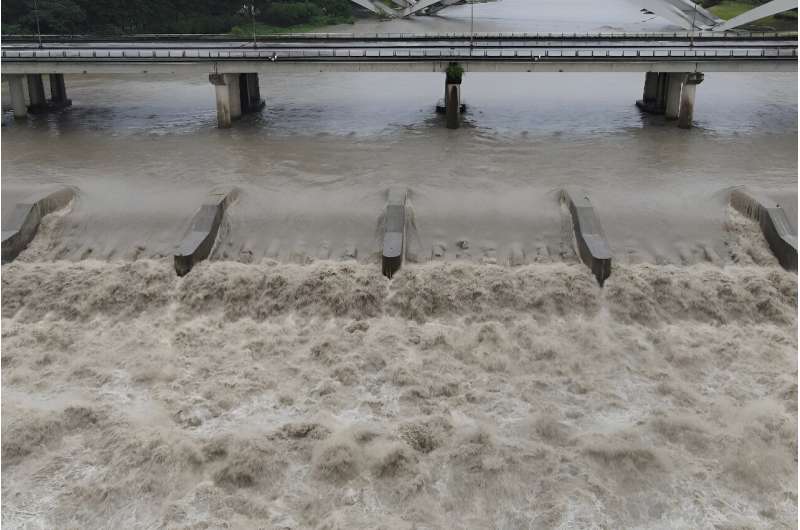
<point x="315" y="165"/>
<point x="273" y="388"/>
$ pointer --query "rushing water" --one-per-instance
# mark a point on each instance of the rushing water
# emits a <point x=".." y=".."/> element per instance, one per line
<point x="459" y="395"/>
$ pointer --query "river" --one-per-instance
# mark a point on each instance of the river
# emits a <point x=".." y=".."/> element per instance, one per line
<point x="275" y="388"/>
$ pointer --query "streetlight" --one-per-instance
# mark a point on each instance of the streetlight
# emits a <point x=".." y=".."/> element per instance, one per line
<point x="36" y="16"/>
<point x="471" y="24"/>
<point x="253" y="17"/>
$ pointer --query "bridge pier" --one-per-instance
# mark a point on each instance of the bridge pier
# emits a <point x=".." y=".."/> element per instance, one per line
<point x="235" y="94"/>
<point x="674" y="88"/>
<point x="58" y="92"/>
<point x="451" y="106"/>
<point x="686" y="112"/>
<point x="671" y="94"/>
<point x="17" y="91"/>
<point x="229" y="104"/>
<point x="38" y="103"/>
<point x="654" y="96"/>
<point x="250" y="93"/>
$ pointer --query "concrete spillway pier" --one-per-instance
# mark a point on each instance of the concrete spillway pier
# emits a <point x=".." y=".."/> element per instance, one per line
<point x="394" y="231"/>
<point x="199" y="241"/>
<point x="774" y="224"/>
<point x="27" y="215"/>
<point x="593" y="248"/>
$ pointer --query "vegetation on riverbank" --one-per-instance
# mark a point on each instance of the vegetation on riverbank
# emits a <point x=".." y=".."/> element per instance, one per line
<point x="727" y="9"/>
<point x="119" y="17"/>
<point x="246" y="30"/>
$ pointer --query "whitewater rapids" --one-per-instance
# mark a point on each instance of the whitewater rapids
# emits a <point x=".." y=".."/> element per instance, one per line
<point x="458" y="395"/>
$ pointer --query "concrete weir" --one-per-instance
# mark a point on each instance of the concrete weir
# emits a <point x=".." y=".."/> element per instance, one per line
<point x="774" y="224"/>
<point x="27" y="215"/>
<point x="394" y="231"/>
<point x="593" y="247"/>
<point x="198" y="243"/>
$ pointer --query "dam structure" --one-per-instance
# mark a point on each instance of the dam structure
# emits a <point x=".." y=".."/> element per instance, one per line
<point x="673" y="63"/>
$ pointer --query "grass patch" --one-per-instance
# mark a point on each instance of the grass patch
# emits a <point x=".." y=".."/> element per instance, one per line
<point x="782" y="22"/>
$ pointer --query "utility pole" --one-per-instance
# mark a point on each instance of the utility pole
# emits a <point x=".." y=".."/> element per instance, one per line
<point x="36" y="16"/>
<point x="471" y="24"/>
<point x="694" y="17"/>
<point x="253" y="17"/>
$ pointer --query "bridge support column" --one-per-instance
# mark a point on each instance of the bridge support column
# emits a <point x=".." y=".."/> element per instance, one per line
<point x="250" y="93"/>
<point x="17" y="96"/>
<point x="686" y="112"/>
<point x="228" y="95"/>
<point x="674" y="88"/>
<point x="654" y="97"/>
<point x="38" y="103"/>
<point x="58" y="91"/>
<point x="452" y="105"/>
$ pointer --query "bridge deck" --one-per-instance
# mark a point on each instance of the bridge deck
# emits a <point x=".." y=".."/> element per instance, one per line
<point x="531" y="53"/>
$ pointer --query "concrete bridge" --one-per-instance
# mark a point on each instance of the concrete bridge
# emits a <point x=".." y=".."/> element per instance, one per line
<point x="674" y="63"/>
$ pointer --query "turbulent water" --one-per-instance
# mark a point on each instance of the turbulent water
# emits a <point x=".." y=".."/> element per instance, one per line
<point x="457" y="395"/>
<point x="490" y="384"/>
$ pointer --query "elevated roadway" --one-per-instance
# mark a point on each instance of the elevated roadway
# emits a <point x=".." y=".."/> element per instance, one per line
<point x="674" y="63"/>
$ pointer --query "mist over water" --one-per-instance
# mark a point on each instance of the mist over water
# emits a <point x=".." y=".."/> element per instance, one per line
<point x="495" y="386"/>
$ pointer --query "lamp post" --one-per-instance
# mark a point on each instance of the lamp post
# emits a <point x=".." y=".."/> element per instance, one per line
<point x="471" y="24"/>
<point x="36" y="16"/>
<point x="253" y="18"/>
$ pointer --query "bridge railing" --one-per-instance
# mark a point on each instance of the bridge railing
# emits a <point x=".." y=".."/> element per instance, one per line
<point x="405" y="53"/>
<point x="400" y="36"/>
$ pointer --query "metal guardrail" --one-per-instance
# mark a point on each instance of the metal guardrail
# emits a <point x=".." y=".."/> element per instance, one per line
<point x="415" y="36"/>
<point x="279" y="54"/>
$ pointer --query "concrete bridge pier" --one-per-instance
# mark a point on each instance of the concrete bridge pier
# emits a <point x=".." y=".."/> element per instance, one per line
<point x="674" y="87"/>
<point x="17" y="91"/>
<point x="654" y="96"/>
<point x="250" y="93"/>
<point x="229" y="103"/>
<point x="38" y="103"/>
<point x="58" y="92"/>
<point x="236" y="94"/>
<point x="452" y="104"/>
<point x="686" y="112"/>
